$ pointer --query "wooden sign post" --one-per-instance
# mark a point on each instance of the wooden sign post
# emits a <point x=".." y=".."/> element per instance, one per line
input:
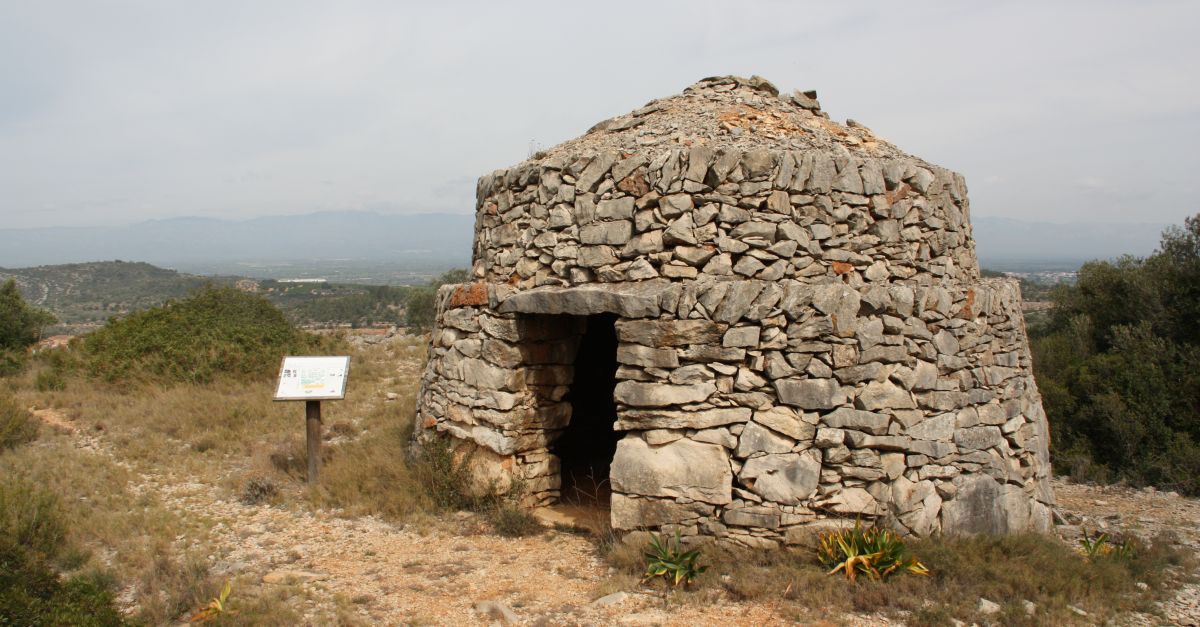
<point x="312" y="380"/>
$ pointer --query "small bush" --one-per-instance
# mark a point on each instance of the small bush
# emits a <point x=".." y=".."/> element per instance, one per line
<point x="870" y="551"/>
<point x="32" y="531"/>
<point x="12" y="362"/>
<point x="446" y="480"/>
<point x="669" y="561"/>
<point x="259" y="490"/>
<point x="17" y="425"/>
<point x="50" y="381"/>
<point x="30" y="517"/>
<point x="31" y="593"/>
<point x="1100" y="546"/>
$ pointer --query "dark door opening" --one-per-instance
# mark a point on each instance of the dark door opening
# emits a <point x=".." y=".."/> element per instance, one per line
<point x="586" y="447"/>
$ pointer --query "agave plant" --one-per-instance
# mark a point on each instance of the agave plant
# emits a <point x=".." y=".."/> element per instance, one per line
<point x="1100" y="545"/>
<point x="216" y="608"/>
<point x="870" y="551"/>
<point x="669" y="561"/>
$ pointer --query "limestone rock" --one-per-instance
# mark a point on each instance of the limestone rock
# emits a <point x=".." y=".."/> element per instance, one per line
<point x="681" y="469"/>
<point x="661" y="395"/>
<point x="810" y="393"/>
<point x="793" y="482"/>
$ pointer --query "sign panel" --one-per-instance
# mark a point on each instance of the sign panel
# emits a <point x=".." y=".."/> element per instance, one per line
<point x="312" y="379"/>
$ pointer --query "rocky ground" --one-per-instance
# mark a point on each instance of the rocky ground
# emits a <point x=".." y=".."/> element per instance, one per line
<point x="1145" y="513"/>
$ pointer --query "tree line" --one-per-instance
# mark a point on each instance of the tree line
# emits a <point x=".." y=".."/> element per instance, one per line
<point x="1118" y="364"/>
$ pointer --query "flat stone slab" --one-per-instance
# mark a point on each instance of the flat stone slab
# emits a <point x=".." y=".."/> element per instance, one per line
<point x="628" y="300"/>
<point x="683" y="468"/>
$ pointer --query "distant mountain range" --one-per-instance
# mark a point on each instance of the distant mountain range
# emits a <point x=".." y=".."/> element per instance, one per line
<point x="1007" y="244"/>
<point x="436" y="241"/>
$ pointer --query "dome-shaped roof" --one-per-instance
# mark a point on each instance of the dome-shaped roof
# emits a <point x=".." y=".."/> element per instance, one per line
<point x="727" y="112"/>
<point x="728" y="179"/>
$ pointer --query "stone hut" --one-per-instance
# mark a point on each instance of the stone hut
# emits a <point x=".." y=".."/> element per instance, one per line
<point x="727" y="315"/>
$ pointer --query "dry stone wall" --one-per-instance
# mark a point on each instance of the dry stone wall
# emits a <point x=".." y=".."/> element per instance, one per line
<point x="912" y="404"/>
<point x="760" y="214"/>
<point x="802" y="331"/>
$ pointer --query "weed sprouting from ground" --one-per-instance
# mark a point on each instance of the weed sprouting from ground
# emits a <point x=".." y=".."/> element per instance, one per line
<point x="513" y="521"/>
<point x="871" y="551"/>
<point x="259" y="490"/>
<point x="446" y="480"/>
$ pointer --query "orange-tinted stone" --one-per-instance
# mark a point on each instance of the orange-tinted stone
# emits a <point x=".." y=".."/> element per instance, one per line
<point x="470" y="295"/>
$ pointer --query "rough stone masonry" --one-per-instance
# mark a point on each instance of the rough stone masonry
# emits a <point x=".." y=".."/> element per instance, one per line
<point x="802" y="332"/>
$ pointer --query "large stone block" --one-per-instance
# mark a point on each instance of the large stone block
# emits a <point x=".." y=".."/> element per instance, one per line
<point x="635" y="419"/>
<point x="628" y="300"/>
<point x="669" y="332"/>
<point x="810" y="393"/>
<point x="639" y="394"/>
<point x="681" y="469"/>
<point x="634" y="513"/>
<point x="792" y="482"/>
<point x="846" y="418"/>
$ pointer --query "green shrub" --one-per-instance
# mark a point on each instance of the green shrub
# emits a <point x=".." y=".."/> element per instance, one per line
<point x="1101" y="546"/>
<point x="871" y="551"/>
<point x="31" y="593"/>
<point x="1118" y="365"/>
<point x="30" y="517"/>
<point x="20" y="324"/>
<point x="218" y="331"/>
<point x="447" y="481"/>
<point x="669" y="561"/>
<point x="32" y="532"/>
<point x="12" y="361"/>
<point x="17" y="425"/>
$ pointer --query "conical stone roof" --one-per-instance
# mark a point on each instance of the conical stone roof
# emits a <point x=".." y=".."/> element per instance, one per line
<point x="728" y="179"/>
<point x="727" y="113"/>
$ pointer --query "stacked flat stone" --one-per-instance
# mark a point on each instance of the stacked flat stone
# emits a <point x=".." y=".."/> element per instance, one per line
<point x="802" y="331"/>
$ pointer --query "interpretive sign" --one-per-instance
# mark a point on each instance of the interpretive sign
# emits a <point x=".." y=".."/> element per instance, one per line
<point x="312" y="379"/>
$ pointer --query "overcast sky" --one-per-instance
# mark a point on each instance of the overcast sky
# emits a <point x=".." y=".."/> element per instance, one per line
<point x="117" y="112"/>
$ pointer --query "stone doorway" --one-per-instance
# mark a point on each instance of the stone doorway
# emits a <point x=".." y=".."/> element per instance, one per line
<point x="586" y="447"/>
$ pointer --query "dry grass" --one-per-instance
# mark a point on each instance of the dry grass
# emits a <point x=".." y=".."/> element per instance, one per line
<point x="1006" y="570"/>
<point x="130" y="534"/>
<point x="17" y="426"/>
<point x="220" y="435"/>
